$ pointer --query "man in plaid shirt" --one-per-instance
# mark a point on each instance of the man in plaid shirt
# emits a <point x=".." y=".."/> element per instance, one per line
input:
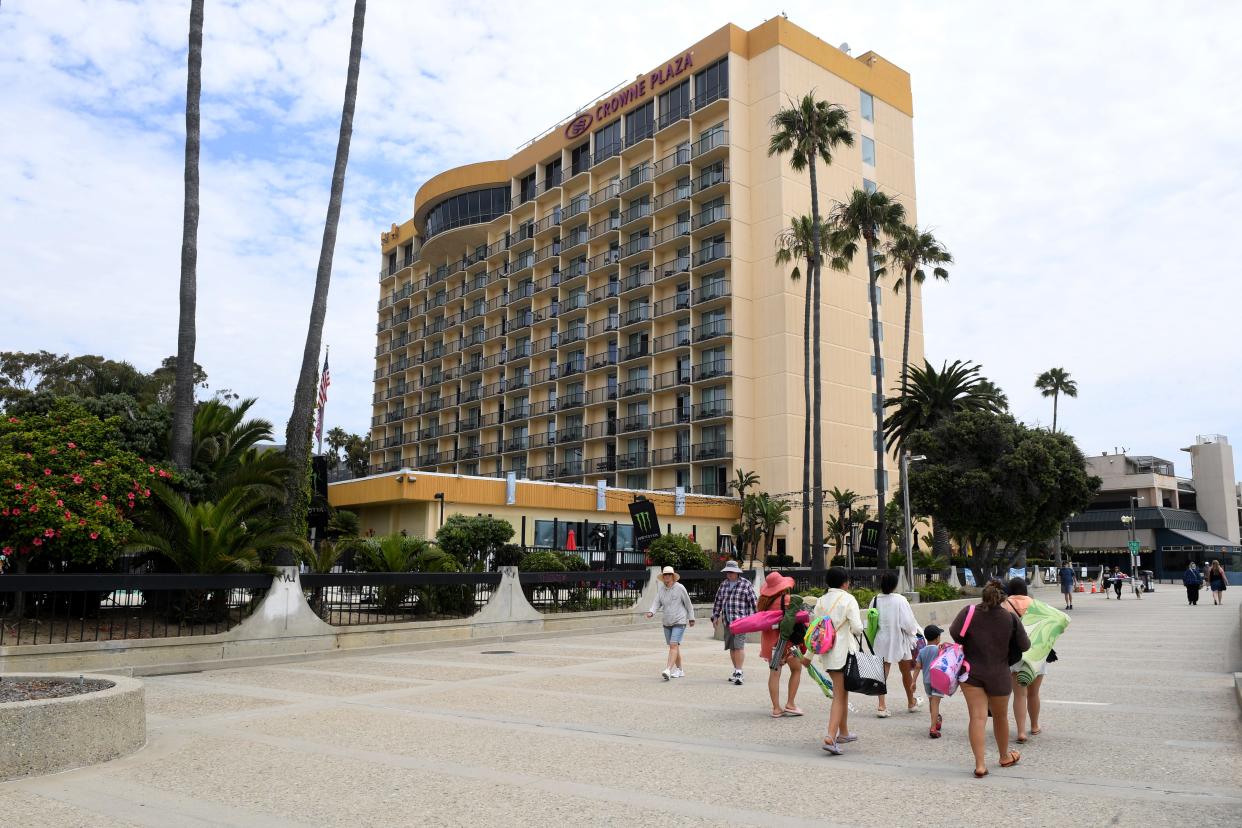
<point x="735" y="599"/>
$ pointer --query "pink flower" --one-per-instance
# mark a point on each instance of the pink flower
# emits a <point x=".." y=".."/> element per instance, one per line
<point x="94" y="536"/>
<point x="34" y="508"/>
<point x="8" y="550"/>
<point x="16" y="511"/>
<point x="37" y="541"/>
<point x="130" y="495"/>
<point x="146" y="492"/>
<point x="13" y="420"/>
<point x="81" y="521"/>
<point x="60" y="503"/>
<point x="103" y="498"/>
<point x="47" y="472"/>
<point x="98" y="462"/>
<point x="49" y="533"/>
<point x="51" y="451"/>
<point x="151" y="469"/>
<point x="71" y="445"/>
<point x="77" y="478"/>
<point x="17" y="486"/>
<point x="68" y="515"/>
<point x="5" y="511"/>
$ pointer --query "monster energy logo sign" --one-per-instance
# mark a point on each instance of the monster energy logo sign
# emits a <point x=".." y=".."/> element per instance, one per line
<point x="646" y="523"/>
<point x="870" y="541"/>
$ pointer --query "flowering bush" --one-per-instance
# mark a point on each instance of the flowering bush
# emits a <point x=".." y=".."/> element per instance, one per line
<point x="66" y="491"/>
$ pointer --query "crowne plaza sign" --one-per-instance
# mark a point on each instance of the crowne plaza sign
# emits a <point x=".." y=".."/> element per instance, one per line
<point x="635" y="92"/>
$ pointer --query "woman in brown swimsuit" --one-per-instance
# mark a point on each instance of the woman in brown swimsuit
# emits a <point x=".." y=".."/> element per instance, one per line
<point x="986" y="644"/>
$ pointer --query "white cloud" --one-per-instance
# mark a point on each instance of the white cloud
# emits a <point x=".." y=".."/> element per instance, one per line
<point x="1079" y="160"/>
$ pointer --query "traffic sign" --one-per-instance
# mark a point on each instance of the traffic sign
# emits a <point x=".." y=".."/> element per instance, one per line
<point x="1134" y="547"/>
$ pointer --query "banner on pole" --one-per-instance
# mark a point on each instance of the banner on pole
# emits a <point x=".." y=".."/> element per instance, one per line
<point x="646" y="523"/>
<point x="679" y="500"/>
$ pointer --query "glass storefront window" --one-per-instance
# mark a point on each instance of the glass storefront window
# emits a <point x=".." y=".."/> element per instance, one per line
<point x="474" y="207"/>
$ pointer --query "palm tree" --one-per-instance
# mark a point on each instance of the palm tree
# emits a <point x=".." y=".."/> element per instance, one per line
<point x="1053" y="383"/>
<point x="844" y="501"/>
<point x="930" y="397"/>
<point x="866" y="216"/>
<point x="910" y="251"/>
<point x="183" y="383"/>
<point x="742" y="482"/>
<point x="336" y="439"/>
<point x="835" y="529"/>
<point x="298" y="432"/>
<point x="808" y="130"/>
<point x="226" y="455"/>
<point x="773" y="512"/>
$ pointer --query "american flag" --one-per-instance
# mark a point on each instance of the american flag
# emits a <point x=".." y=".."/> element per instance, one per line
<point x="324" y="381"/>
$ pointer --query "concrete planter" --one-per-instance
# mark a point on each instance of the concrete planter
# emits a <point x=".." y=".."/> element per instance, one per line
<point x="49" y="735"/>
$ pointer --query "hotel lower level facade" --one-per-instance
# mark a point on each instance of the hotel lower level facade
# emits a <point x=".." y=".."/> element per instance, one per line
<point x="605" y="305"/>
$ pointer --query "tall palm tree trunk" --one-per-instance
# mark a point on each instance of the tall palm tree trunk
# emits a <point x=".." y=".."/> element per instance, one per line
<point x="807" y="554"/>
<point x="298" y="433"/>
<point x="183" y="382"/>
<point x="1054" y="412"/>
<point x="902" y="471"/>
<point x="882" y="545"/>
<point x="817" y="444"/>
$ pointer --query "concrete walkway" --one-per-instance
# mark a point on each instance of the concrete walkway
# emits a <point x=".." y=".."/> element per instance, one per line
<point x="582" y="731"/>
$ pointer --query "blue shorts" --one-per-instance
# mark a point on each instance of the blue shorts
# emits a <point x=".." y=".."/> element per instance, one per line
<point x="672" y="635"/>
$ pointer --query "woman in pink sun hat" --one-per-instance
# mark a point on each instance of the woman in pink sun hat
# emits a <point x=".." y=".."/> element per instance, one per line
<point x="775" y="595"/>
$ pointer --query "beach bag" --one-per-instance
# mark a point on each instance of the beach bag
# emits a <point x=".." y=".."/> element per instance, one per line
<point x="871" y="626"/>
<point x="919" y="643"/>
<point x="820" y="633"/>
<point x="864" y="673"/>
<point x="950" y="667"/>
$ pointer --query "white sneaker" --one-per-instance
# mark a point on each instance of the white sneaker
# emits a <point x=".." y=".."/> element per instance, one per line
<point x="666" y="674"/>
<point x="736" y="678"/>
<point x="678" y="673"/>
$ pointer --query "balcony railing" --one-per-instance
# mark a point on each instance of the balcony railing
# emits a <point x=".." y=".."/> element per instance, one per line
<point x="603" y="394"/>
<point x="633" y="422"/>
<point x="632" y="460"/>
<point x="608" y="225"/>
<point x="611" y="191"/>
<point x="711" y="253"/>
<point x="668" y="456"/>
<point x="674" y="114"/>
<point x="711" y="215"/>
<point x="676" y="302"/>
<point x="672" y="267"/>
<point x="713" y="451"/>
<point x="641" y="175"/>
<point x="635" y="350"/>
<point x="667" y="342"/>
<point x="712" y="290"/>
<point x="607" y="428"/>
<point x="671" y="379"/>
<point x="634" y="281"/>
<point x="713" y="329"/>
<point x="635" y="212"/>
<point x="709" y="142"/>
<point x="670" y="417"/>
<point x="639" y="385"/>
<point x="713" y="409"/>
<point x="712" y="369"/>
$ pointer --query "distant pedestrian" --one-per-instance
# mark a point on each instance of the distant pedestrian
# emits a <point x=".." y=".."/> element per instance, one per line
<point x="1217" y="581"/>
<point x="894" y="641"/>
<point x="927" y="655"/>
<point x="735" y="599"/>
<point x="1025" y="699"/>
<point x="673" y="603"/>
<point x="775" y="595"/>
<point x="986" y="644"/>
<point x="841" y="610"/>
<point x="1192" y="579"/>
<point x="1117" y="578"/>
<point x="1066" y="576"/>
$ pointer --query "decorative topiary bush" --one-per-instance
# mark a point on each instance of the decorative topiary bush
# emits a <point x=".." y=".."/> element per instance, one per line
<point x="938" y="591"/>
<point x="679" y="552"/>
<point x="542" y="561"/>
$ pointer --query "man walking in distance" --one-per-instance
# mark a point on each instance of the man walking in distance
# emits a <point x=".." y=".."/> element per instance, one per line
<point x="735" y="599"/>
<point x="1066" y="576"/>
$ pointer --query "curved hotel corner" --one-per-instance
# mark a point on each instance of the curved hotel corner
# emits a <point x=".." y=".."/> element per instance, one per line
<point x="604" y="304"/>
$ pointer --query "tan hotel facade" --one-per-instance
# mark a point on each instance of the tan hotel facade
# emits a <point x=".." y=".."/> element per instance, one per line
<point x="604" y="305"/>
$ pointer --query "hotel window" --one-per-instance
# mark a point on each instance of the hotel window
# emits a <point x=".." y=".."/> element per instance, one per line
<point x="867" y="106"/>
<point x="675" y="104"/>
<point x="527" y="188"/>
<point x="640" y="123"/>
<point x="607" y="141"/>
<point x="552" y="174"/>
<point x="580" y="158"/>
<point x="636" y="481"/>
<point x="711" y="84"/>
<point x="869" y="186"/>
<point x="868" y="151"/>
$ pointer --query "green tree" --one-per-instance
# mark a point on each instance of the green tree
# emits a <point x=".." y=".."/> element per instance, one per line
<point x="225" y="452"/>
<point x="1053" y="383"/>
<point x="742" y="481"/>
<point x="772" y="513"/>
<point x="807" y="130"/>
<point x="470" y="540"/>
<point x="998" y="484"/>
<point x="679" y="552"/>
<point x="844" y="501"/>
<point x="867" y="216"/>
<point x="67" y="493"/>
<point x="183" y="390"/>
<point x="298" y="432"/>
<point x="336" y="439"/>
<point x="911" y="254"/>
<point x="357" y="455"/>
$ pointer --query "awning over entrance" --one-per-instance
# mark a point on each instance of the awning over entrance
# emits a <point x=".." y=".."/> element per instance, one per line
<point x="1190" y="537"/>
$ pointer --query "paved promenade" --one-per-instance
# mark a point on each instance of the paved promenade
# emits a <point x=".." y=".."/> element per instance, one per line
<point x="1140" y="727"/>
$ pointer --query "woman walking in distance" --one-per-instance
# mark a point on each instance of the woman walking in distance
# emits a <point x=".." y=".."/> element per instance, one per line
<point x="775" y="595"/>
<point x="985" y="638"/>
<point x="894" y="642"/>
<point x="841" y="610"/>
<point x="1217" y="581"/>
<point x="1025" y="699"/>
<point x="673" y="603"/>
<point x="1192" y="579"/>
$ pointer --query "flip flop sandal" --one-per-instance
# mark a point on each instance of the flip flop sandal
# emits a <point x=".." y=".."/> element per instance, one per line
<point x="980" y="774"/>
<point x="830" y="747"/>
<point x="1037" y="731"/>
<point x="777" y="715"/>
<point x="793" y="711"/>
<point x="1014" y="758"/>
<point x="883" y="714"/>
<point x="846" y="739"/>
<point x="933" y="733"/>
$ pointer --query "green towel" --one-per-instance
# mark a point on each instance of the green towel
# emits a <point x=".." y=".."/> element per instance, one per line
<point x="819" y="678"/>
<point x="1043" y="625"/>
<point x="872" y="626"/>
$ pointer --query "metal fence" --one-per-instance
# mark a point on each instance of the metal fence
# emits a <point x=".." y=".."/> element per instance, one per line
<point x="552" y="592"/>
<point x="346" y="599"/>
<point x="64" y="608"/>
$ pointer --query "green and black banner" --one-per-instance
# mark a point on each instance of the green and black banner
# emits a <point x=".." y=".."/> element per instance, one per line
<point x="646" y="523"/>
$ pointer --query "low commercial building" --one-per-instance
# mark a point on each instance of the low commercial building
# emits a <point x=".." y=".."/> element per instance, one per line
<point x="1174" y="520"/>
<point x="544" y="515"/>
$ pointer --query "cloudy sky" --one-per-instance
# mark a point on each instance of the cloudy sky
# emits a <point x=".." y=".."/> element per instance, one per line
<point x="1080" y="160"/>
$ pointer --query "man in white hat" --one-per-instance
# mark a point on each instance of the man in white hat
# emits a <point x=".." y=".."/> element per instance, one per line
<point x="735" y="599"/>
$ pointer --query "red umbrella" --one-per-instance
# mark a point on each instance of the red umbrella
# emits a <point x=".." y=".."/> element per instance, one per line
<point x="570" y="544"/>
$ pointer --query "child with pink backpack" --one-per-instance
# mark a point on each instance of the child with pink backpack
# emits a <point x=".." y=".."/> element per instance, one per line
<point x="927" y="655"/>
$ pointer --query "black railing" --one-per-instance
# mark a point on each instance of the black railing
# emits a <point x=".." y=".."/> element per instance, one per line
<point x="346" y="599"/>
<point x="64" y="608"/>
<point x="551" y="592"/>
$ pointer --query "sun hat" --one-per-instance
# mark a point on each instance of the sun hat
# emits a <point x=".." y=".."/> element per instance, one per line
<point x="668" y="570"/>
<point x="731" y="566"/>
<point x="776" y="583"/>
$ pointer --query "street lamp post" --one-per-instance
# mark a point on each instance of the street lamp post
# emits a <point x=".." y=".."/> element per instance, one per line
<point x="1135" y="500"/>
<point x="906" y="460"/>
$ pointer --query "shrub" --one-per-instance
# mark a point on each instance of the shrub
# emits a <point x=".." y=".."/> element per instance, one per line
<point x="510" y="554"/>
<point x="470" y="539"/>
<point x="813" y="592"/>
<point x="679" y="552"/>
<point x="542" y="561"/>
<point x="863" y="595"/>
<point x="938" y="591"/>
<point x="573" y="561"/>
<point x="778" y="561"/>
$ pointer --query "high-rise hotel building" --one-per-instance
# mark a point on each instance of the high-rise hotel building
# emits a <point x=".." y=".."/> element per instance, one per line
<point x="605" y="305"/>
